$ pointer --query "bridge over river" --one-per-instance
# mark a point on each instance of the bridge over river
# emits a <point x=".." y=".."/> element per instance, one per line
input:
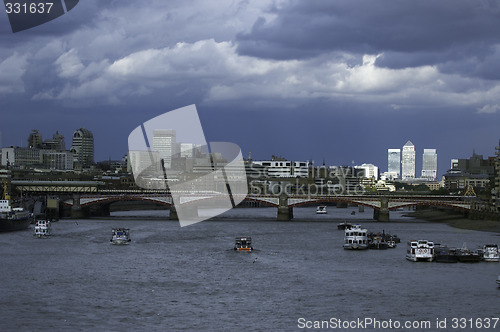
<point x="81" y="196"/>
<point x="81" y="203"/>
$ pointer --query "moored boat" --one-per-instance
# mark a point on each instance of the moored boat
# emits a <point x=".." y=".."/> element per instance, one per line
<point x="11" y="218"/>
<point x="377" y="241"/>
<point x="466" y="255"/>
<point x="120" y="236"/>
<point x="445" y="254"/>
<point x="491" y="253"/>
<point x="421" y="250"/>
<point x="356" y="238"/>
<point x="243" y="243"/>
<point x="321" y="209"/>
<point x="42" y="228"/>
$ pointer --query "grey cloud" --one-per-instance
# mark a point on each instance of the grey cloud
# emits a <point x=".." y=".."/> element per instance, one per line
<point x="426" y="28"/>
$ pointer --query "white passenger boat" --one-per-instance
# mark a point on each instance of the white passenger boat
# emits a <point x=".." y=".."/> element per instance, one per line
<point x="355" y="238"/>
<point x="491" y="253"/>
<point x="120" y="236"/>
<point x="321" y="209"/>
<point x="42" y="228"/>
<point x="421" y="250"/>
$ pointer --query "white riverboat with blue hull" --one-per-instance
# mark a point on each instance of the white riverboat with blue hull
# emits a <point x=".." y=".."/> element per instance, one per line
<point x="356" y="238"/>
<point x="42" y="228"/>
<point x="421" y="250"/>
<point x="120" y="236"/>
<point x="491" y="253"/>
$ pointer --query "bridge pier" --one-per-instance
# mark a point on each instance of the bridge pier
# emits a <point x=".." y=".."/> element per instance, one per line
<point x="285" y="212"/>
<point x="383" y="213"/>
<point x="361" y="208"/>
<point x="77" y="212"/>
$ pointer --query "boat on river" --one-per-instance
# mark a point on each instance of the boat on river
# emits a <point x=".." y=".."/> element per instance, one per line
<point x="243" y="243"/>
<point x="356" y="238"/>
<point x="466" y="255"/>
<point x="12" y="218"/>
<point x="42" y="228"/>
<point x="445" y="254"/>
<point x="420" y="250"/>
<point x="491" y="253"/>
<point x="321" y="209"/>
<point x="120" y="236"/>
<point x="377" y="241"/>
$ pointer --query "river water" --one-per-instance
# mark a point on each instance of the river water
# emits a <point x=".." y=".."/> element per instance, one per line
<point x="189" y="279"/>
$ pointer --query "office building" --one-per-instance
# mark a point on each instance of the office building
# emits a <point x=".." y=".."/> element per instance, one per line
<point x="282" y="168"/>
<point x="408" y="161"/>
<point x="394" y="163"/>
<point x="164" y="142"/>
<point x="369" y="171"/>
<point x="83" y="148"/>
<point x="429" y="164"/>
<point x="35" y="140"/>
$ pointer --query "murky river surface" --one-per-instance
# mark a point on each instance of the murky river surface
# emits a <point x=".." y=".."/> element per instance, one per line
<point x="189" y="279"/>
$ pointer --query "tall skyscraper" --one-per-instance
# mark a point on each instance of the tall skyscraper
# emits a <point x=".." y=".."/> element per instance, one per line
<point x="164" y="142"/>
<point x="408" y="161"/>
<point x="83" y="148"/>
<point x="394" y="162"/>
<point x="429" y="164"/>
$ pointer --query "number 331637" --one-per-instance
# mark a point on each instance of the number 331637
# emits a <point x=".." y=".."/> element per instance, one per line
<point x="28" y="8"/>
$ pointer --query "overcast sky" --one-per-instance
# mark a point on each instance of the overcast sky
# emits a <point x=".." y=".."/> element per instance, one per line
<point x="340" y="80"/>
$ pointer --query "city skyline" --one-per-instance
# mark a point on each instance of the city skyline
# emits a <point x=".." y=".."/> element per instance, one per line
<point x="257" y="81"/>
<point x="164" y="141"/>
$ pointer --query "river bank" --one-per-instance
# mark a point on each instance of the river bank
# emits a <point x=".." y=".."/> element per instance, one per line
<point x="455" y="220"/>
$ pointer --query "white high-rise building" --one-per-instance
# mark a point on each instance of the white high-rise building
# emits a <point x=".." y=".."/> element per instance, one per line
<point x="429" y="164"/>
<point x="164" y="142"/>
<point x="394" y="163"/>
<point x="408" y="161"/>
<point x="370" y="171"/>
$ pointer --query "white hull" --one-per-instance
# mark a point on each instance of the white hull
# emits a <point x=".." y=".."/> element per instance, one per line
<point x="355" y="238"/>
<point x="420" y="251"/>
<point x="490" y="253"/>
<point x="355" y="246"/>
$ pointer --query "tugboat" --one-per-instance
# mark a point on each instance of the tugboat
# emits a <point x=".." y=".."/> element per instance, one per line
<point x="12" y="219"/>
<point x="243" y="243"/>
<point x="421" y="250"/>
<point x="120" y="236"/>
<point x="377" y="241"/>
<point x="490" y="253"/>
<point x="466" y="255"/>
<point x="356" y="238"/>
<point x="42" y="228"/>
<point x="321" y="209"/>
<point x="444" y="254"/>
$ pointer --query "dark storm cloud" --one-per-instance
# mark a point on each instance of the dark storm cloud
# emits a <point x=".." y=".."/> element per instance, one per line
<point x="419" y="30"/>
